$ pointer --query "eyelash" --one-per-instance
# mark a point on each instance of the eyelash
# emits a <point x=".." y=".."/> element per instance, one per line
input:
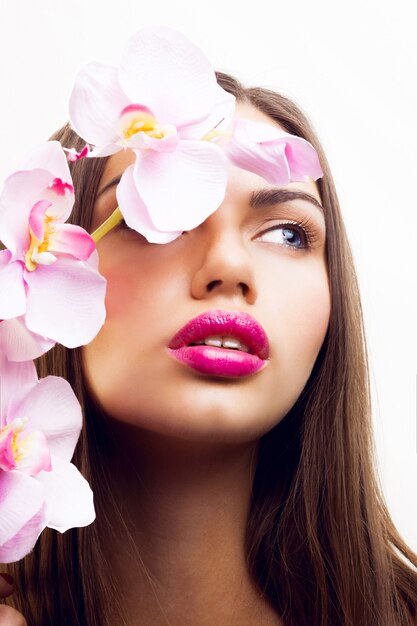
<point x="123" y="226"/>
<point x="304" y="228"/>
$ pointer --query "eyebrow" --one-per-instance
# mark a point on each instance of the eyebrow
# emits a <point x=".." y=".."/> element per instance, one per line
<point x="267" y="197"/>
<point x="260" y="199"/>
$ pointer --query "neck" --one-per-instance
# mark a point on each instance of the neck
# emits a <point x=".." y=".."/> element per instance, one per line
<point x="183" y="505"/>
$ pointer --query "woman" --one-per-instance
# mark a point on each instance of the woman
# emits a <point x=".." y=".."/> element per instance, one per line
<point x="224" y="496"/>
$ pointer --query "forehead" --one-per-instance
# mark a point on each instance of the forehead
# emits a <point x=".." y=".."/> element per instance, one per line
<point x="250" y="112"/>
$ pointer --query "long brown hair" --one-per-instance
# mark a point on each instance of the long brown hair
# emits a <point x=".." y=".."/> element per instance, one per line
<point x="320" y="542"/>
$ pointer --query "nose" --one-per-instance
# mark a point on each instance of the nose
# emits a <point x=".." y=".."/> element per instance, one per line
<point x="224" y="265"/>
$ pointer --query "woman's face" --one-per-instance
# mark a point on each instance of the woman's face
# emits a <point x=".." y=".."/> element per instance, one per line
<point x="248" y="257"/>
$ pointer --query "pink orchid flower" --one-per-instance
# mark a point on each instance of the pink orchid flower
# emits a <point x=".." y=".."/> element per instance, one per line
<point x="18" y="343"/>
<point x="164" y="103"/>
<point x="40" y="422"/>
<point x="275" y="155"/>
<point x="49" y="278"/>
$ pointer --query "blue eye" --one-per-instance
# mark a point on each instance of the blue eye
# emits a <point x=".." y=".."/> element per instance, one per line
<point x="287" y="235"/>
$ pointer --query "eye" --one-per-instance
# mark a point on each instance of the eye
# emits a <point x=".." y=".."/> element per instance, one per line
<point x="127" y="232"/>
<point x="122" y="226"/>
<point x="290" y="234"/>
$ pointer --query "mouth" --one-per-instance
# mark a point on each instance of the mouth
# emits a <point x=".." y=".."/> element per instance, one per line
<point x="221" y="343"/>
<point x="230" y="343"/>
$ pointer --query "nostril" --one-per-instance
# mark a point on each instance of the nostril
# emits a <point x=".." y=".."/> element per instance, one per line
<point x="244" y="287"/>
<point x="213" y="284"/>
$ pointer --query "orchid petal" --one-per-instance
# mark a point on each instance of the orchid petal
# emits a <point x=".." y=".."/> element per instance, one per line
<point x="7" y="460"/>
<point x="258" y="148"/>
<point x="95" y="104"/>
<point x="52" y="408"/>
<point x="182" y="188"/>
<point x="68" y="496"/>
<point x="12" y="288"/>
<point x="21" y="497"/>
<point x="103" y="151"/>
<point x="73" y="155"/>
<point x="275" y="155"/>
<point x="302" y="159"/>
<point x="51" y="157"/>
<point x="135" y="212"/>
<point x="21" y="190"/>
<point x="73" y="240"/>
<point x="19" y="344"/>
<point x="219" y="120"/>
<point x="16" y="380"/>
<point x="24" y="540"/>
<point x="37" y="218"/>
<point x="61" y="198"/>
<point x="163" y="70"/>
<point x="65" y="301"/>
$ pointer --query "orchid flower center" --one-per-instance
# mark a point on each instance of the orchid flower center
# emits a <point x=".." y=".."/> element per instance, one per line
<point x="10" y="445"/>
<point x="136" y="118"/>
<point x="27" y="453"/>
<point x="38" y="248"/>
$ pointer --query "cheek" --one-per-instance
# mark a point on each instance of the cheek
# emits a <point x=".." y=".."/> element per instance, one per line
<point x="311" y="317"/>
<point x="140" y="291"/>
<point x="139" y="281"/>
<point x="303" y="314"/>
<point x="118" y="293"/>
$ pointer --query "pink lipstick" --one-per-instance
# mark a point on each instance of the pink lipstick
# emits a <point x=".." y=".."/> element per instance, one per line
<point x="221" y="343"/>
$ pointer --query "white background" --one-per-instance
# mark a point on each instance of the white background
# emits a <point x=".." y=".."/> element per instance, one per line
<point x="352" y="67"/>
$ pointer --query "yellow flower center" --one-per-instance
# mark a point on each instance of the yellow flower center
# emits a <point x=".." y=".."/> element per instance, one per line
<point x="36" y="246"/>
<point x="136" y="118"/>
<point x="141" y="121"/>
<point x="16" y="427"/>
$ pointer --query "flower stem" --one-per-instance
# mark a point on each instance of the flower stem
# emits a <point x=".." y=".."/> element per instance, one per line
<point x="106" y="226"/>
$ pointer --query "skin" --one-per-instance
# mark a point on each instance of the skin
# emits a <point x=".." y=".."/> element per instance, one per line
<point x="187" y="442"/>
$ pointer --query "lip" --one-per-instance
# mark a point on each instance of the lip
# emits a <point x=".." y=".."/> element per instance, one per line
<point x="221" y="361"/>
